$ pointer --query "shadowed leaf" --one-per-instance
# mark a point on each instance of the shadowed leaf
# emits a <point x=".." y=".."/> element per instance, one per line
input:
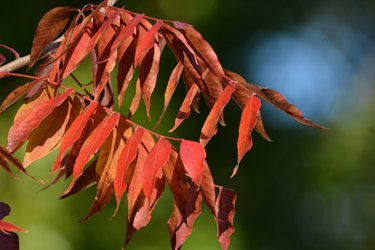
<point x="49" y="27"/>
<point x="225" y="214"/>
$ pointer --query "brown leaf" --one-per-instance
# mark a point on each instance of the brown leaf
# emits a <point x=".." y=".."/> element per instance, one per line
<point x="49" y="27"/>
<point x="178" y="228"/>
<point x="208" y="188"/>
<point x="16" y="94"/>
<point x="86" y="180"/>
<point x="174" y="172"/>
<point x="225" y="214"/>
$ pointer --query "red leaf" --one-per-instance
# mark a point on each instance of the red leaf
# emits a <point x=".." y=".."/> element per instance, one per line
<point x="49" y="27"/>
<point x="8" y="227"/>
<point x="2" y="59"/>
<point x="74" y="133"/>
<point x="225" y="214"/>
<point x="92" y="144"/>
<point x="147" y="42"/>
<point x="171" y="87"/>
<point x="127" y="156"/>
<point x="33" y="120"/>
<point x="247" y="123"/>
<point x="126" y="32"/>
<point x="136" y="99"/>
<point x="185" y="108"/>
<point x="155" y="160"/>
<point x="78" y="50"/>
<point x="192" y="155"/>
<point x="209" y="127"/>
<point x="148" y="71"/>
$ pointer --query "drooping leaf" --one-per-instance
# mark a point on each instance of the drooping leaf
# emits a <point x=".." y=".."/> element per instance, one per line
<point x="247" y="123"/>
<point x="92" y="144"/>
<point x="139" y="211"/>
<point x="50" y="132"/>
<point x="33" y="119"/>
<point x="209" y="128"/>
<point x="126" y="66"/>
<point x="4" y="165"/>
<point x="155" y="160"/>
<point x="74" y="133"/>
<point x="86" y="180"/>
<point x="202" y="48"/>
<point x="178" y="228"/>
<point x="174" y="172"/>
<point x="171" y="87"/>
<point x="281" y="103"/>
<point x="225" y="213"/>
<point x="136" y="99"/>
<point x="16" y="94"/>
<point x="208" y="188"/>
<point x="193" y="155"/>
<point x="147" y="42"/>
<point x="126" y="157"/>
<point x="49" y="27"/>
<point x="148" y="71"/>
<point x="78" y="51"/>
<point x="185" y="108"/>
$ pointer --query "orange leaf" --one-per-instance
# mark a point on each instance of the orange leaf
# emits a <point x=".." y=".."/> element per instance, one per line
<point x="49" y="27"/>
<point x="92" y="144"/>
<point x="185" y="108"/>
<point x="74" y="133"/>
<point x="247" y="123"/>
<point x="33" y="120"/>
<point x="224" y="216"/>
<point x="49" y="133"/>
<point x="192" y="155"/>
<point x="126" y="157"/>
<point x="155" y="160"/>
<point x="209" y="128"/>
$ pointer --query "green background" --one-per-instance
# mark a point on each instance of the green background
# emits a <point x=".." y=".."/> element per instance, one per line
<point x="308" y="189"/>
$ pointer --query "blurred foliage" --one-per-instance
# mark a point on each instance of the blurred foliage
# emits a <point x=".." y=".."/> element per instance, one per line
<point x="307" y="189"/>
